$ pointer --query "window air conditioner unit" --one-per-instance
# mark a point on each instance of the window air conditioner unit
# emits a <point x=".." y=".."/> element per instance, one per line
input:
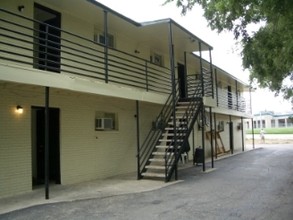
<point x="104" y="124"/>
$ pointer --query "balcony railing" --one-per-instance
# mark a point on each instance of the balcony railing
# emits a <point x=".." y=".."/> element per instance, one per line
<point x="31" y="43"/>
<point x="34" y="44"/>
<point x="232" y="101"/>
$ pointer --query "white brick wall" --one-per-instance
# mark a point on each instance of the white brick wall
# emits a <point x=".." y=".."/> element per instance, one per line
<point x="85" y="154"/>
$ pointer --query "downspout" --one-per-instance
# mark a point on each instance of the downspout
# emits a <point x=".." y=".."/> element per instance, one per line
<point x="138" y="140"/>
<point x="202" y="109"/>
<point x="47" y="162"/>
<point x="171" y="54"/>
<point x="211" y="69"/>
<point x="106" y="46"/>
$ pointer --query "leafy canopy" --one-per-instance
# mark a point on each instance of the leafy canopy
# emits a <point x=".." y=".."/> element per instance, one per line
<point x="268" y="52"/>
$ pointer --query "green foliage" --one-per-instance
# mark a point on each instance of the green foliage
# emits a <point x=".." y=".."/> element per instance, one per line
<point x="268" y="53"/>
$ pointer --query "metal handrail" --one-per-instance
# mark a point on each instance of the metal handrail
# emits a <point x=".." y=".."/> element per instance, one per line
<point x="183" y="130"/>
<point x="155" y="132"/>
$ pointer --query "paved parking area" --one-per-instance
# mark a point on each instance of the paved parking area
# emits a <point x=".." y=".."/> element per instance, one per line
<point x="257" y="184"/>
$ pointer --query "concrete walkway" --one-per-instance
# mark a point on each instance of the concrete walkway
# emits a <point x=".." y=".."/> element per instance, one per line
<point x="86" y="190"/>
<point x="118" y="185"/>
<point x="253" y="185"/>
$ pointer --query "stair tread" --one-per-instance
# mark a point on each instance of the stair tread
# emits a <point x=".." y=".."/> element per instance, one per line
<point x="158" y="167"/>
<point x="162" y="153"/>
<point x="168" y="140"/>
<point x="149" y="174"/>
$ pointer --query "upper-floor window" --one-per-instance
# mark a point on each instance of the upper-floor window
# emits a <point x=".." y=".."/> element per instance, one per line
<point x="100" y="38"/>
<point x="157" y="59"/>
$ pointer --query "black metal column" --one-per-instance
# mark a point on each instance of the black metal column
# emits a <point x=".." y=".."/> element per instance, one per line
<point x="212" y="143"/>
<point x="215" y="135"/>
<point x="106" y="46"/>
<point x="202" y="109"/>
<point x="211" y="69"/>
<point x="252" y="127"/>
<point x="172" y="63"/>
<point x="185" y="75"/>
<point x="237" y="98"/>
<point x="47" y="162"/>
<point x="242" y="133"/>
<point x="231" y="134"/>
<point x="138" y="140"/>
<point x="217" y="92"/>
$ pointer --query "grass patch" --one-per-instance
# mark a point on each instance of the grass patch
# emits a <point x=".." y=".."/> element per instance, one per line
<point x="272" y="131"/>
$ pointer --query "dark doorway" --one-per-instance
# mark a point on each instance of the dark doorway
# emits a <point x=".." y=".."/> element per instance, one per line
<point x="182" y="80"/>
<point x="38" y="149"/>
<point x="229" y="94"/>
<point x="47" y="33"/>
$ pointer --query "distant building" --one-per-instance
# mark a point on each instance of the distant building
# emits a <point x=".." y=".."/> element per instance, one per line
<point x="270" y="119"/>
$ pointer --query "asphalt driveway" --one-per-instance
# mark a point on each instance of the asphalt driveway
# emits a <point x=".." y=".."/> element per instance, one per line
<point x="257" y="184"/>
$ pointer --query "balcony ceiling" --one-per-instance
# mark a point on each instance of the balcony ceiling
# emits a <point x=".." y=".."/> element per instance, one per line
<point x="155" y="33"/>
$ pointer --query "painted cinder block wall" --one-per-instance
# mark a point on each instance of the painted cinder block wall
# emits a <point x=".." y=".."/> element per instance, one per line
<point x="85" y="153"/>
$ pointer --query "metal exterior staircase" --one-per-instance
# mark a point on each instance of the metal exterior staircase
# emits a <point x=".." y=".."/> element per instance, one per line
<point x="167" y="140"/>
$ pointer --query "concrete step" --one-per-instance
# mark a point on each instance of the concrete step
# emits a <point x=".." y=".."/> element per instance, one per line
<point x="162" y="153"/>
<point x="155" y="167"/>
<point x="149" y="174"/>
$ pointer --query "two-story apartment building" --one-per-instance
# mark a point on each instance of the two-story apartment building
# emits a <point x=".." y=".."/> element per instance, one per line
<point x="87" y="93"/>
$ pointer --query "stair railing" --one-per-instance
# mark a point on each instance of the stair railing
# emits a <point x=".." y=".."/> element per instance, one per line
<point x="183" y="129"/>
<point x="155" y="133"/>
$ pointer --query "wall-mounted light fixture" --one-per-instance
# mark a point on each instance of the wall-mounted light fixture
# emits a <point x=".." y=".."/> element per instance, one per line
<point x="20" y="8"/>
<point x="19" y="109"/>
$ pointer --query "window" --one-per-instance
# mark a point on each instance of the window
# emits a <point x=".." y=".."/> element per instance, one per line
<point x="106" y="121"/>
<point x="100" y="38"/>
<point x="157" y="59"/>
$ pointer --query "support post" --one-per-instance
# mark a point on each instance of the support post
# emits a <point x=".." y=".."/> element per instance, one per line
<point x="171" y="54"/>
<point x="185" y="75"/>
<point x="217" y="92"/>
<point x="252" y="127"/>
<point x="106" y="46"/>
<point x="203" y="137"/>
<point x="211" y="131"/>
<point x="202" y="108"/>
<point x="237" y="98"/>
<point x="242" y="133"/>
<point x="231" y="134"/>
<point x="215" y="135"/>
<point x="211" y="69"/>
<point x="47" y="162"/>
<point x="138" y="140"/>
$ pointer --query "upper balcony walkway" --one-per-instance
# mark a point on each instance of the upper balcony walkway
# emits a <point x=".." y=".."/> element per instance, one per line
<point x="32" y="44"/>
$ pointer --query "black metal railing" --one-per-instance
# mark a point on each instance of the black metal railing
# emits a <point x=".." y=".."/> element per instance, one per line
<point x="232" y="101"/>
<point x="183" y="129"/>
<point x="34" y="44"/>
<point x="156" y="131"/>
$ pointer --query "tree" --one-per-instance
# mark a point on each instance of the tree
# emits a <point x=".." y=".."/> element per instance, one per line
<point x="268" y="52"/>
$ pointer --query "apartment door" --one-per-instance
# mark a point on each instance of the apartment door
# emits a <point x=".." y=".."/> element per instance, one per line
<point x="38" y="145"/>
<point x="182" y="78"/>
<point x="47" y="44"/>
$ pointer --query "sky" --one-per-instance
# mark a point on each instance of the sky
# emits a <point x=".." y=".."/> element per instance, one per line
<point x="226" y="51"/>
